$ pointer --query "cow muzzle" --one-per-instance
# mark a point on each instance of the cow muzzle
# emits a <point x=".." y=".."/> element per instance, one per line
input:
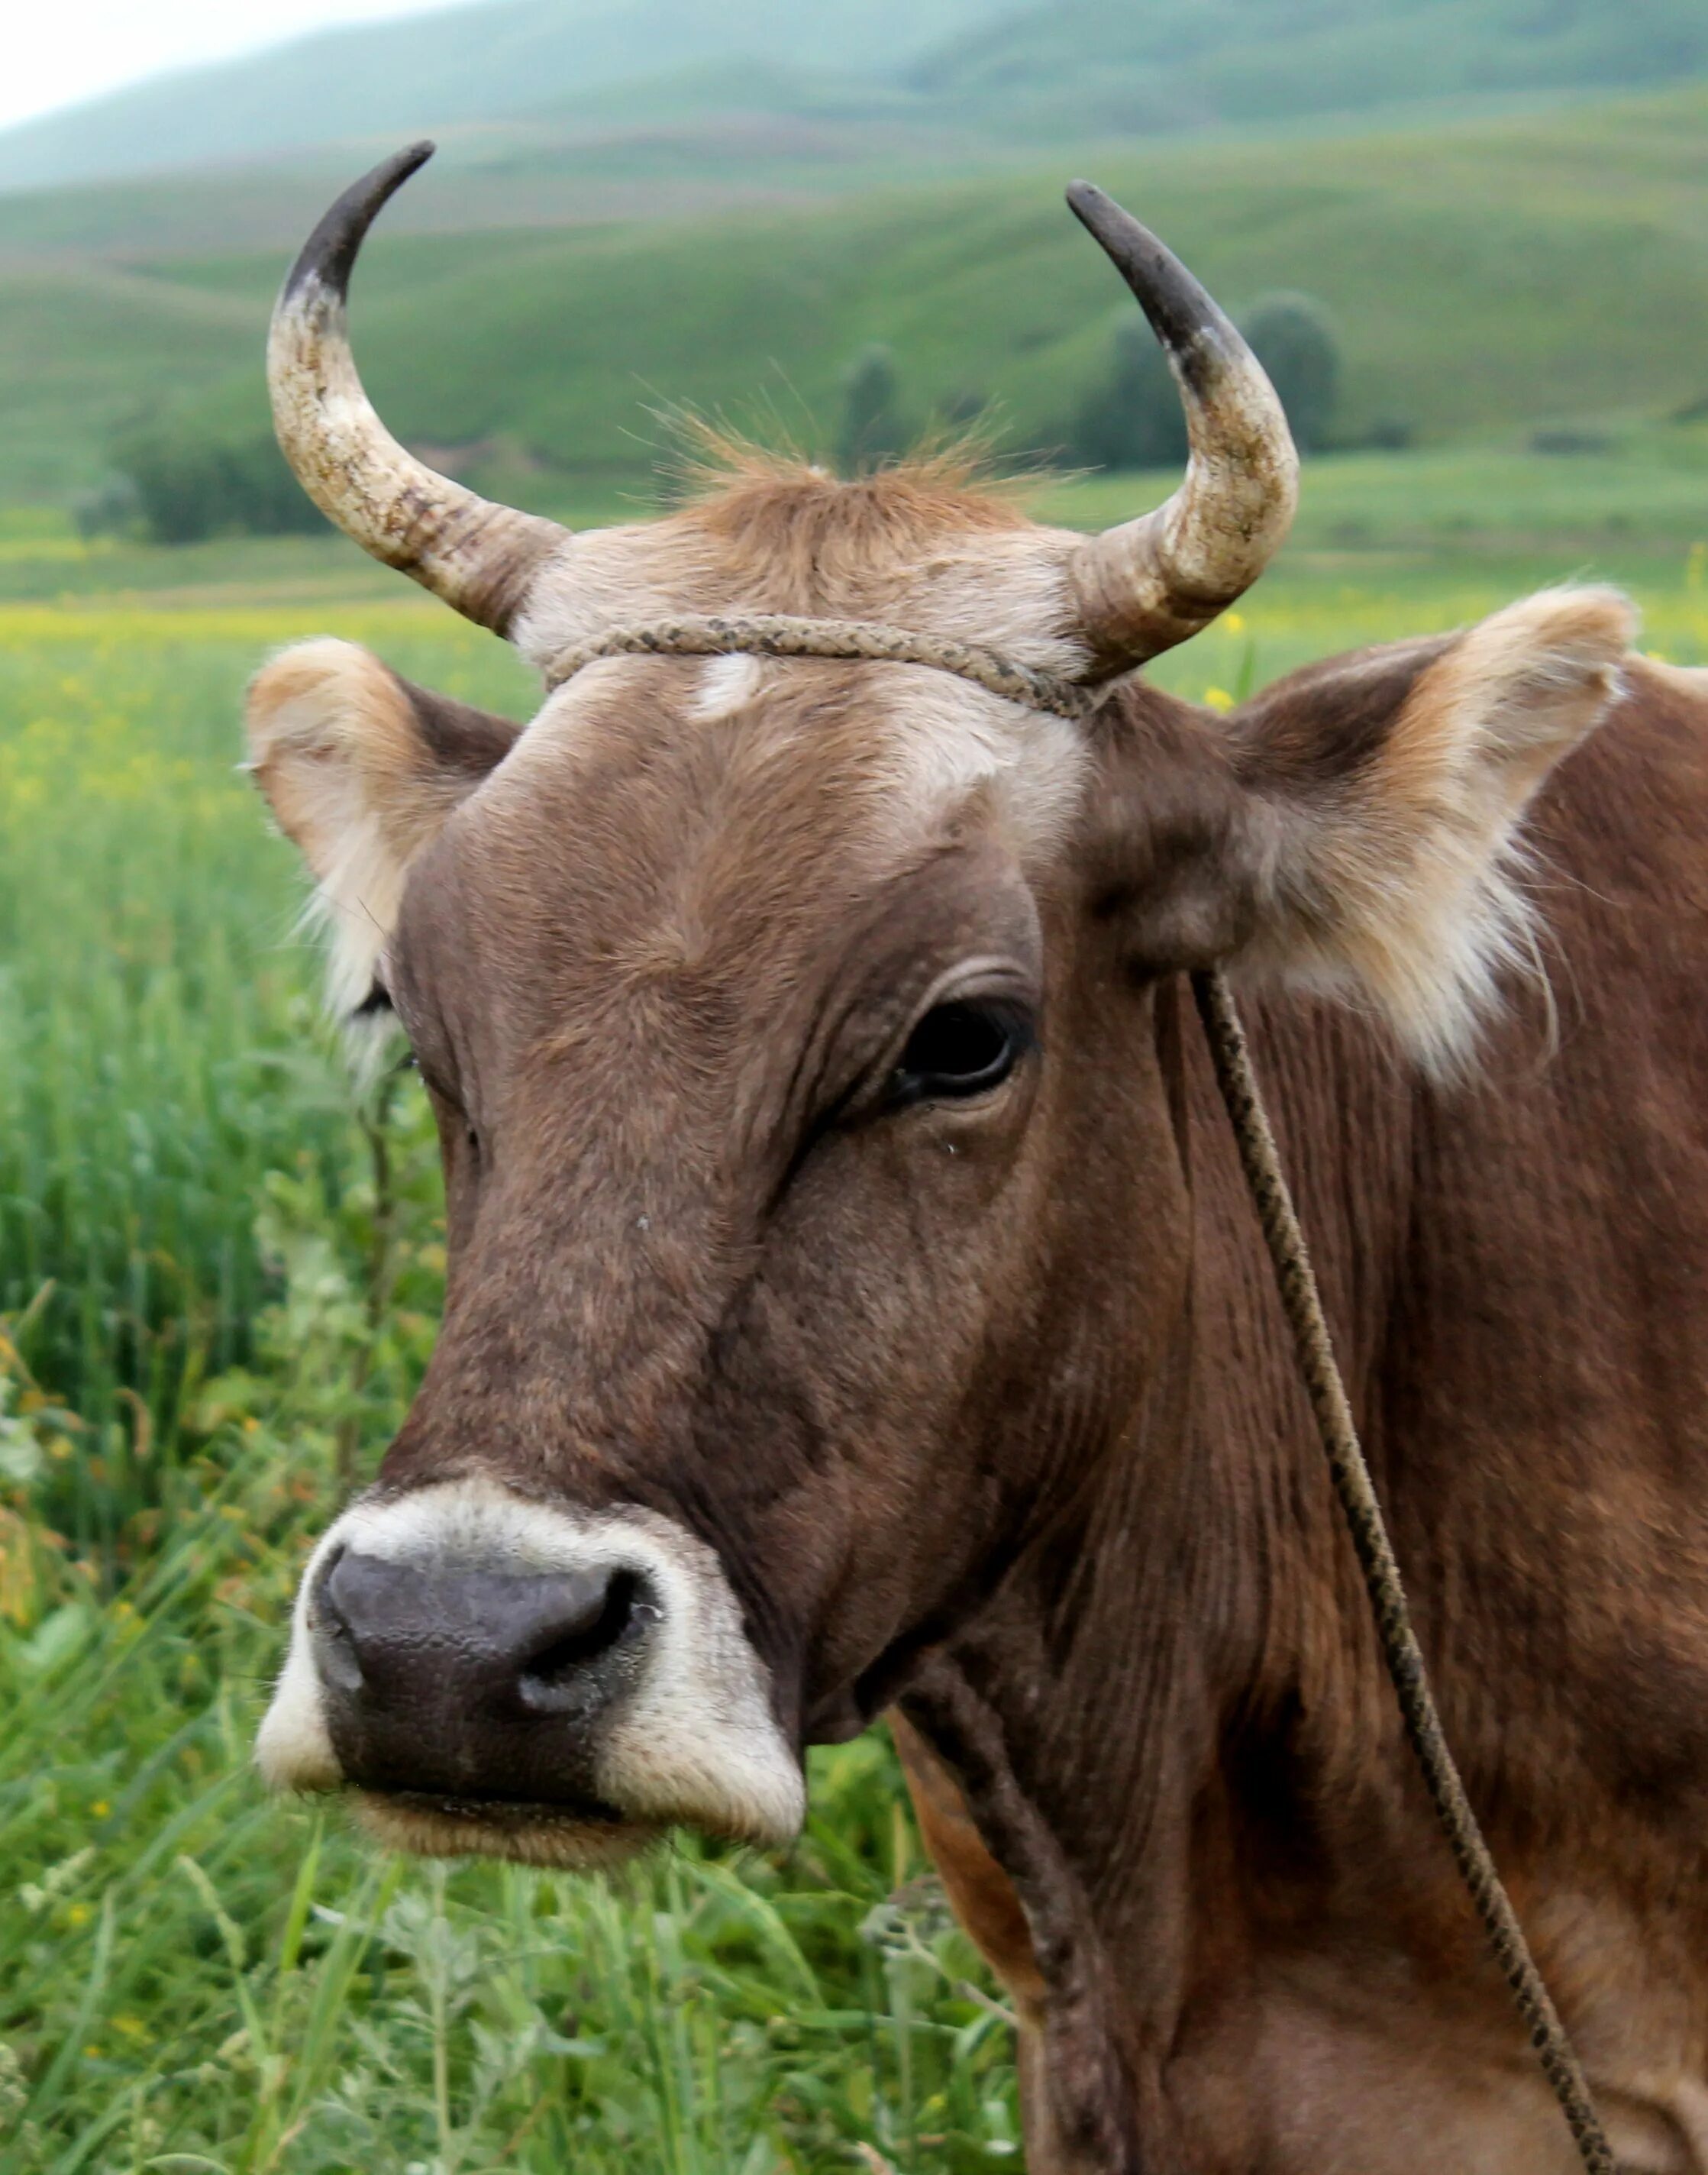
<point x="496" y="1676"/>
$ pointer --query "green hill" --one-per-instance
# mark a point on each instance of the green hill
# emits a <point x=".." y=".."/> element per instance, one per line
<point x="520" y="83"/>
<point x="1481" y="277"/>
<point x="492" y="63"/>
<point x="85" y="348"/>
<point x="1152" y="67"/>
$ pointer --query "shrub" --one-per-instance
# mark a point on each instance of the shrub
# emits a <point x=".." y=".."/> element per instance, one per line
<point x="1134" y="418"/>
<point x="188" y="487"/>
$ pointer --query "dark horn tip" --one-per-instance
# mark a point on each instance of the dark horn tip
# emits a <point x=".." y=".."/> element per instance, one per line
<point x="1179" y="308"/>
<point x="330" y="251"/>
<point x="1115" y="229"/>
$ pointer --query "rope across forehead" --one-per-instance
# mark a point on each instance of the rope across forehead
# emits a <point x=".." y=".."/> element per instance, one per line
<point x="777" y="635"/>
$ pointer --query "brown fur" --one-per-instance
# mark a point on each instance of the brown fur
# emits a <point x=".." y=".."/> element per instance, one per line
<point x="987" y="1410"/>
<point x="805" y="534"/>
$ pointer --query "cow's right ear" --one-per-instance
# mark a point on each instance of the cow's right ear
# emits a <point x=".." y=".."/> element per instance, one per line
<point x="361" y="769"/>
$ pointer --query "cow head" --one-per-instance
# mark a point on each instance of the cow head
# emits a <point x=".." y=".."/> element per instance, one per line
<point x="817" y="1218"/>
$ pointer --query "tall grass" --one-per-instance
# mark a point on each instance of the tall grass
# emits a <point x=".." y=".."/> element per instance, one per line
<point x="158" y="1020"/>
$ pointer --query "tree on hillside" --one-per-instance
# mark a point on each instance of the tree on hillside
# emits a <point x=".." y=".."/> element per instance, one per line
<point x="872" y="431"/>
<point x="188" y="485"/>
<point x="1132" y="419"/>
<point x="1291" y="337"/>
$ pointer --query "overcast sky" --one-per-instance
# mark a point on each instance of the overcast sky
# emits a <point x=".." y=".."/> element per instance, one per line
<point x="58" y="52"/>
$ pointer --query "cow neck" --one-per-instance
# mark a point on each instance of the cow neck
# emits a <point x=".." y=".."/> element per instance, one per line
<point x="1355" y="1491"/>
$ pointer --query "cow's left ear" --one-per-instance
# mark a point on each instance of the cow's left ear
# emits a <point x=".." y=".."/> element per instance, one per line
<point x="361" y="769"/>
<point x="1356" y="824"/>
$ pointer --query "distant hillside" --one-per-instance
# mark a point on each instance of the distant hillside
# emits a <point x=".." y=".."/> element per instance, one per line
<point x="521" y="83"/>
<point x="1160" y="67"/>
<point x="1485" y="276"/>
<point x="666" y="168"/>
<point x="491" y="63"/>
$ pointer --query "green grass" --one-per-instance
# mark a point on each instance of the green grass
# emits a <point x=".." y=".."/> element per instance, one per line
<point x="217" y="1298"/>
<point x="1484" y="277"/>
<point x="154" y="1004"/>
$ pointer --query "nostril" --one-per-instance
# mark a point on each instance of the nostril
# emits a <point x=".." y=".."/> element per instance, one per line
<point x="334" y="1641"/>
<point x="561" y="1671"/>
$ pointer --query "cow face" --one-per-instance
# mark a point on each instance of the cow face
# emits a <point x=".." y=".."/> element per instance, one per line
<point x="815" y="1209"/>
<point x="687" y="1429"/>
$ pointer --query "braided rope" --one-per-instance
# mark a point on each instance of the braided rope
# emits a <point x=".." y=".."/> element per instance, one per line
<point x="779" y="634"/>
<point x="776" y="635"/>
<point x="1302" y="1304"/>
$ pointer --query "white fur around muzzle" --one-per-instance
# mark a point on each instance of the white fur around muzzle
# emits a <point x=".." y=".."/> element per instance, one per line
<point x="694" y="1744"/>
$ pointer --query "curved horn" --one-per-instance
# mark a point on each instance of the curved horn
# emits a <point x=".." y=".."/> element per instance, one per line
<point x="1151" y="582"/>
<point x="479" y="556"/>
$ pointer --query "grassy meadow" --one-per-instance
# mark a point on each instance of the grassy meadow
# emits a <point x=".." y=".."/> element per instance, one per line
<point x="217" y="1283"/>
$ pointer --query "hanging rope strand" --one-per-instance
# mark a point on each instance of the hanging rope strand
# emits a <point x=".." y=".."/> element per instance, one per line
<point x="1352" y="1484"/>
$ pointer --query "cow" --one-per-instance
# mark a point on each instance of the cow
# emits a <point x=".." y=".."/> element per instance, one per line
<point x="854" y="1307"/>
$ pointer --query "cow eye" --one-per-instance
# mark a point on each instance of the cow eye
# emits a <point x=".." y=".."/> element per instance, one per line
<point x="960" y="1050"/>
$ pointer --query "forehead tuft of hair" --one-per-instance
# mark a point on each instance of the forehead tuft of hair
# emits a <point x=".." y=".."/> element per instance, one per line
<point x="784" y="508"/>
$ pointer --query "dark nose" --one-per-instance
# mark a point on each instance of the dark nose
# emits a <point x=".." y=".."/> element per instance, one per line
<point x="472" y="1681"/>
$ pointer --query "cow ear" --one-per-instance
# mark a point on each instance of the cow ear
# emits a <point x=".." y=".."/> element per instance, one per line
<point x="362" y="769"/>
<point x="1357" y="822"/>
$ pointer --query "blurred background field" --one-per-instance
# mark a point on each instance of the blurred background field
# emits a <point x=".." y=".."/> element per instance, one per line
<point x="218" y="1278"/>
